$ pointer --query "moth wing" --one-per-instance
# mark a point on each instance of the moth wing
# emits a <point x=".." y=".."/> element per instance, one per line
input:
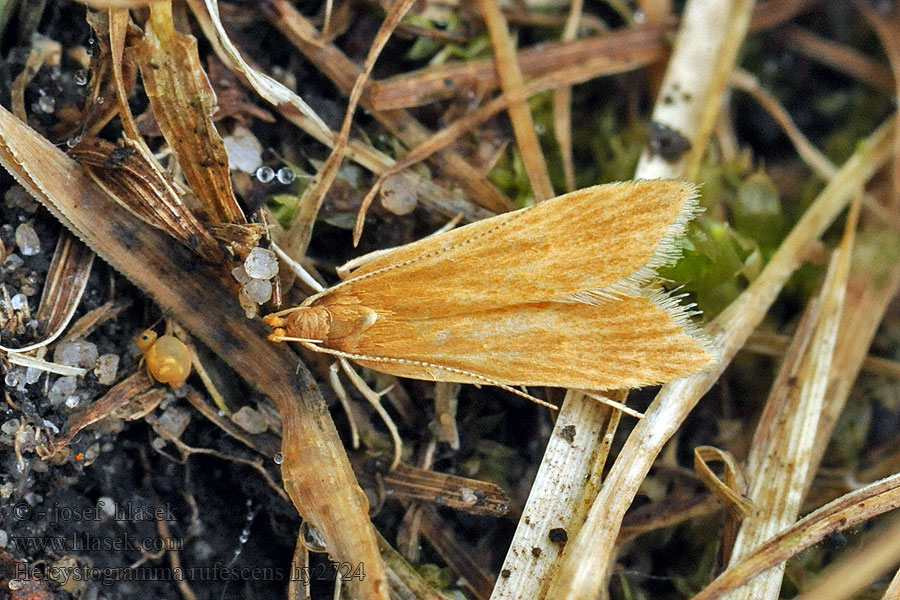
<point x="608" y="237"/>
<point x="628" y="342"/>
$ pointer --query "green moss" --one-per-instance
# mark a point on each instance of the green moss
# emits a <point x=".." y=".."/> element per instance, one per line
<point x="716" y="264"/>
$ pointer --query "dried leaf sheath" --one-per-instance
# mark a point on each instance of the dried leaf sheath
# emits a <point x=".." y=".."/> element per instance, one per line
<point x="557" y="295"/>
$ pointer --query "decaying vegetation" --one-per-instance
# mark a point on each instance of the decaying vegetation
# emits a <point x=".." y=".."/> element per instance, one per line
<point x="188" y="144"/>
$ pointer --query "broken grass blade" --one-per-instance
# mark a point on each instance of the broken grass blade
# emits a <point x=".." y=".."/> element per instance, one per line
<point x="138" y="186"/>
<point x="66" y="281"/>
<point x="24" y="360"/>
<point x="783" y="460"/>
<point x="183" y="103"/>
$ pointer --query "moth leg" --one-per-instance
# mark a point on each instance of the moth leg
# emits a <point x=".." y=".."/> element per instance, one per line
<point x="612" y="403"/>
<point x="341" y="393"/>
<point x="519" y="392"/>
<point x="374" y="399"/>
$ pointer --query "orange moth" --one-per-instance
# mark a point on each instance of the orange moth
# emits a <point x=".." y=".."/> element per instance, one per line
<point x="561" y="294"/>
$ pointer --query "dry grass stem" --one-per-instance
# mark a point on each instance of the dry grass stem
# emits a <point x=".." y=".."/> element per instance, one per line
<point x="183" y="103"/>
<point x="839" y="57"/>
<point x="690" y="97"/>
<point x="644" y="44"/>
<point x="265" y="444"/>
<point x="130" y="389"/>
<point x="616" y="51"/>
<point x="845" y="512"/>
<point x="573" y="464"/>
<point x="139" y="185"/>
<point x="872" y="286"/>
<point x="782" y="454"/>
<point x="296" y="238"/>
<point x="728" y="489"/>
<point x="562" y="101"/>
<point x="443" y="138"/>
<point x="26" y="360"/>
<point x="851" y="574"/>
<point x="886" y="23"/>
<point x="414" y="484"/>
<point x="343" y="72"/>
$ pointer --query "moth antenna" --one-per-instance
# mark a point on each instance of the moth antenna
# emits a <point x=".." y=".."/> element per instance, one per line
<point x="613" y="404"/>
<point x="343" y="271"/>
<point x="449" y="225"/>
<point x="298" y="269"/>
<point x="374" y="399"/>
<point x="275" y="319"/>
<point x="341" y="393"/>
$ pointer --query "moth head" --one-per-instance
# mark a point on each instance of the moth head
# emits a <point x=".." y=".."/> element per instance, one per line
<point x="299" y="323"/>
<point x="331" y="325"/>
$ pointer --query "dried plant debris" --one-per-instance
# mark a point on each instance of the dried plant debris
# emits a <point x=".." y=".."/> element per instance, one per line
<point x="177" y="169"/>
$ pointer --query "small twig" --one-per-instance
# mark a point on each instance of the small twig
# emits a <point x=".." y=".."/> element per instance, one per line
<point x="512" y="82"/>
<point x="811" y="155"/>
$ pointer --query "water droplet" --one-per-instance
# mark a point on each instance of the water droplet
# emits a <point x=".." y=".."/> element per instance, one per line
<point x="312" y="538"/>
<point x="73" y="141"/>
<point x="81" y="77"/>
<point x="285" y="175"/>
<point x="265" y="174"/>
<point x="278" y="458"/>
<point x="100" y="99"/>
